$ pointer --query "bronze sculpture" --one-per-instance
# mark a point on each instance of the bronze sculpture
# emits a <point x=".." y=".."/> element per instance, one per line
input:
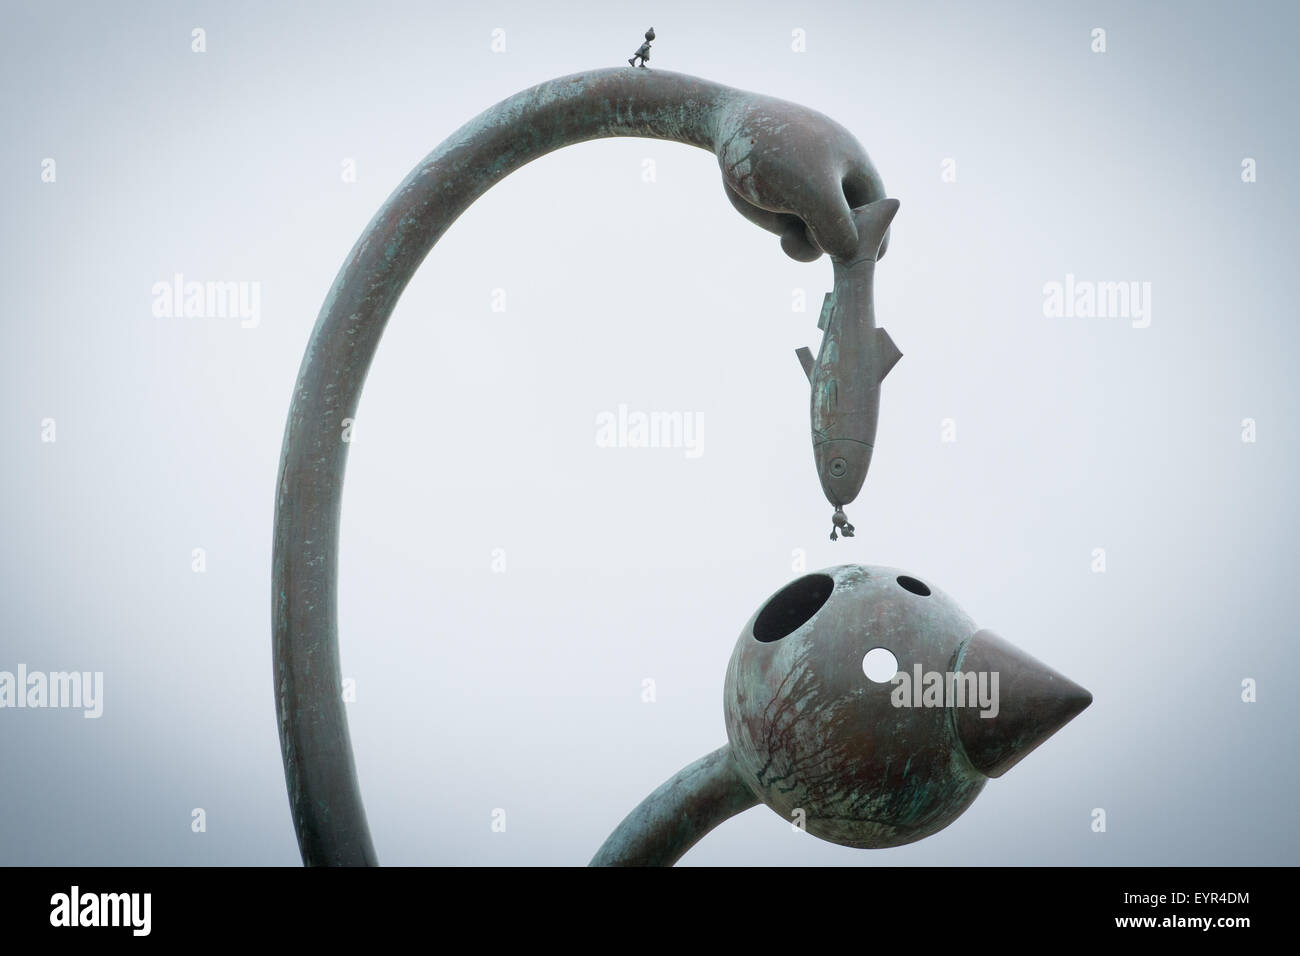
<point x="789" y="169"/>
<point x="847" y="759"/>
<point x="854" y="358"/>
<point x="643" y="51"/>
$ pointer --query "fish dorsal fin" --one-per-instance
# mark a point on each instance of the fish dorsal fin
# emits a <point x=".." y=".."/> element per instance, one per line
<point x="887" y="353"/>
<point x="824" y="319"/>
<point x="806" y="360"/>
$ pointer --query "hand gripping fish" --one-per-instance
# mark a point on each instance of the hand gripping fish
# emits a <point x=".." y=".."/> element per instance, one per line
<point x="786" y="168"/>
<point x="855" y="357"/>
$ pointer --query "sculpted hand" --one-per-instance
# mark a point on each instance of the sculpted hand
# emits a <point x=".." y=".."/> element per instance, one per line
<point x="797" y="173"/>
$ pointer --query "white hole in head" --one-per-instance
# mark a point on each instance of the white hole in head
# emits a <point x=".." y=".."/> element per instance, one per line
<point x="880" y="665"/>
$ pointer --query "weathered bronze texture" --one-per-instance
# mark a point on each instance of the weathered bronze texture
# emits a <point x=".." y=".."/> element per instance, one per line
<point x="673" y="819"/>
<point x="789" y="169"/>
<point x="854" y="761"/>
<point x="854" y="358"/>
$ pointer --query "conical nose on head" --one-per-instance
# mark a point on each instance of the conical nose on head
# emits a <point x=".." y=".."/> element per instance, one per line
<point x="1033" y="702"/>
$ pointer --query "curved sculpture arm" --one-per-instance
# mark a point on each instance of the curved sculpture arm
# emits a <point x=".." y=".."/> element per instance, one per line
<point x="677" y="815"/>
<point x="789" y="169"/>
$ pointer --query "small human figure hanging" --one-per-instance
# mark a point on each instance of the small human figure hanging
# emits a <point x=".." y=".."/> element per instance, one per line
<point x="840" y="522"/>
<point x="644" y="52"/>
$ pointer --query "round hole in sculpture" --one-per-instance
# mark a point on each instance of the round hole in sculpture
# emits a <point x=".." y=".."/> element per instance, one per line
<point x="792" y="606"/>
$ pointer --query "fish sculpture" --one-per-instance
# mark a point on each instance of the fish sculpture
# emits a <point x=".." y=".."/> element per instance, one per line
<point x="854" y="358"/>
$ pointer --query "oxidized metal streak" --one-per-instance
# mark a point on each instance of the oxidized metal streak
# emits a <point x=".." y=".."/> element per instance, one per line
<point x="672" y="819"/>
<point x="811" y="731"/>
<point x="789" y="169"/>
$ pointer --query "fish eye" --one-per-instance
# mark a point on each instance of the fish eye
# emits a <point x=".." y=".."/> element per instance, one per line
<point x="839" y="467"/>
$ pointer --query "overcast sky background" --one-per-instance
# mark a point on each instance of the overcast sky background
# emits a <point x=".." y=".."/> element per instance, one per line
<point x="522" y="690"/>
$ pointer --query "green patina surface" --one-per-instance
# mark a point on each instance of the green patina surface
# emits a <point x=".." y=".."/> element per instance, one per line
<point x="786" y="168"/>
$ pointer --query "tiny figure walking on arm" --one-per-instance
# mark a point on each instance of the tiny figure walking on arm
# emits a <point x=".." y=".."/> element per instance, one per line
<point x="644" y="52"/>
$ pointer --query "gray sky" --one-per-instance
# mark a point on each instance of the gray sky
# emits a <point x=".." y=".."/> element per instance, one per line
<point x="581" y="284"/>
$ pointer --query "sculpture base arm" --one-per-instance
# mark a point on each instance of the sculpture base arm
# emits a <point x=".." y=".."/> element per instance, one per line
<point x="677" y="815"/>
